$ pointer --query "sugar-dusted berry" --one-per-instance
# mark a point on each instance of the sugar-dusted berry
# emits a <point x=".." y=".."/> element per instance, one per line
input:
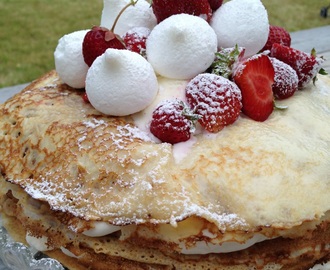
<point x="172" y="121"/>
<point x="285" y="81"/>
<point x="215" y="99"/>
<point x="306" y="65"/>
<point x="279" y="35"/>
<point x="135" y="39"/>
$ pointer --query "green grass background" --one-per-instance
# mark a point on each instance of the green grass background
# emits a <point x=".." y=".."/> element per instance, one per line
<point x="30" y="29"/>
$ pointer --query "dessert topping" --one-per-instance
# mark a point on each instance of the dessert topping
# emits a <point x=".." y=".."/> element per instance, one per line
<point x="172" y="121"/>
<point x="285" y="81"/>
<point x="226" y="60"/>
<point x="255" y="77"/>
<point x="166" y="8"/>
<point x="97" y="41"/>
<point x="279" y="35"/>
<point x="306" y="65"/>
<point x="85" y="97"/>
<point x="215" y="4"/>
<point x="216" y="99"/>
<point x="135" y="39"/>
<point x="122" y="78"/>
<point x="69" y="60"/>
<point x="137" y="15"/>
<point x="181" y="46"/>
<point x="242" y="22"/>
<point x="121" y="82"/>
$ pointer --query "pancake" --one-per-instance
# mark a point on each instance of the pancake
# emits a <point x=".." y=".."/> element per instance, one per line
<point x="96" y="192"/>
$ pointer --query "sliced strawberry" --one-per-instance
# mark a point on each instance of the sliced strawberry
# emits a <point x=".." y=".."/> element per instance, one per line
<point x="278" y="35"/>
<point x="135" y="39"/>
<point x="216" y="99"/>
<point x="255" y="77"/>
<point x="172" y="122"/>
<point x="166" y="8"/>
<point x="306" y="65"/>
<point x="286" y="79"/>
<point x="97" y="41"/>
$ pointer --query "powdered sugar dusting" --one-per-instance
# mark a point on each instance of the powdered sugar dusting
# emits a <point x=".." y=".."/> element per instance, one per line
<point x="133" y="132"/>
<point x="94" y="123"/>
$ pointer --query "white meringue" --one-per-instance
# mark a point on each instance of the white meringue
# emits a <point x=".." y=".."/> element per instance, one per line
<point x="181" y="46"/>
<point x="121" y="82"/>
<point x="69" y="60"/>
<point x="241" y="22"/>
<point x="139" y="15"/>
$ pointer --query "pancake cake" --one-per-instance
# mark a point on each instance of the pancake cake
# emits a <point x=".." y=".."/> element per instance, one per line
<point x="174" y="144"/>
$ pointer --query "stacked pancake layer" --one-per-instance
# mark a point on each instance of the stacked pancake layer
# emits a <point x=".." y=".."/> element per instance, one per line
<point x="253" y="195"/>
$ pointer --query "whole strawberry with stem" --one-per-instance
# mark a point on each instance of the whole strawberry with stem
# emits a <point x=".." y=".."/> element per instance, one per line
<point x="215" y="99"/>
<point x="166" y="8"/>
<point x="99" y="39"/>
<point x="172" y="121"/>
<point x="255" y="77"/>
<point x="278" y="35"/>
<point x="306" y="65"/>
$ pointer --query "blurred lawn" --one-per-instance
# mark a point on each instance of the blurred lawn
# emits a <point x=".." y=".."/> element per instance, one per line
<point x="30" y="29"/>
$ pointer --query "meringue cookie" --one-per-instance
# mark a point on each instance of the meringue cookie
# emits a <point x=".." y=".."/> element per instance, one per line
<point x="139" y="15"/>
<point x="69" y="60"/>
<point x="121" y="82"/>
<point x="243" y="23"/>
<point x="181" y="46"/>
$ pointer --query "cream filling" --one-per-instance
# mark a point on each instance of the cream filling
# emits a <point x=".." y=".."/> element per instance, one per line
<point x="38" y="243"/>
<point x="101" y="229"/>
<point x="69" y="253"/>
<point x="203" y="247"/>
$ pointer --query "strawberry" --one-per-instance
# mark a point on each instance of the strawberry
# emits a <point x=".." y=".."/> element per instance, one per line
<point x="97" y="41"/>
<point x="277" y="35"/>
<point x="172" y="122"/>
<point x="226" y="60"/>
<point x="135" y="39"/>
<point x="216" y="99"/>
<point x="286" y="79"/>
<point x="255" y="77"/>
<point x="306" y="65"/>
<point x="165" y="8"/>
<point x="215" y="4"/>
<point x="85" y="97"/>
